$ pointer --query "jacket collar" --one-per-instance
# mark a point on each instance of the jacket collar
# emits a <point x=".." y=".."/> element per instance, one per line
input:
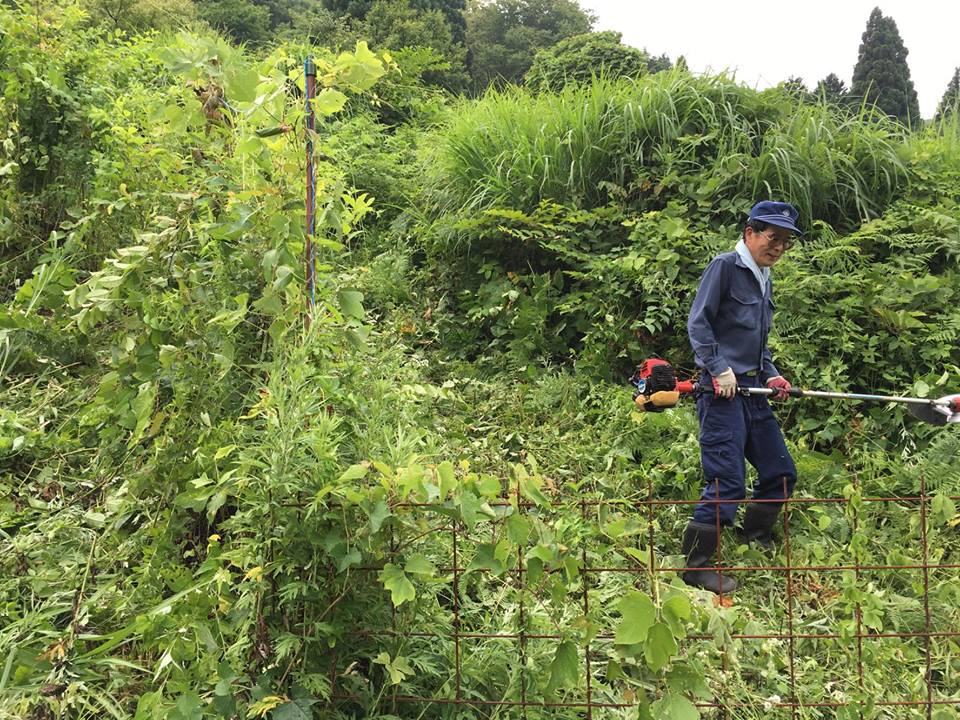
<point x="745" y="260"/>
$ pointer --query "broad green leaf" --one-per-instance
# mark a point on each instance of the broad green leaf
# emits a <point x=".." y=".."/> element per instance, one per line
<point x="518" y="529"/>
<point x="378" y="512"/>
<point x="530" y="489"/>
<point x="659" y="647"/>
<point x="354" y="472"/>
<point x="143" y="405"/>
<point x="360" y="69"/>
<point x="472" y="508"/>
<point x="448" y="478"/>
<point x="673" y="706"/>
<point x="638" y="614"/>
<point x="534" y="570"/>
<point x="488" y="486"/>
<point x="348" y="559"/>
<point x="565" y="668"/>
<point x="684" y="678"/>
<point x="488" y="558"/>
<point x="241" y="85"/>
<point x="410" y="479"/>
<point x="329" y="101"/>
<point x="399" y="668"/>
<point x="167" y="355"/>
<point x="943" y="508"/>
<point x="418" y="564"/>
<point x="223" y="452"/>
<point x="397" y="582"/>
<point x="296" y="709"/>
<point x="351" y="302"/>
<point x="677" y="611"/>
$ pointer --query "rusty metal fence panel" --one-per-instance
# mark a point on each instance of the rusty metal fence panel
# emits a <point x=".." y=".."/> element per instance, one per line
<point x="494" y="605"/>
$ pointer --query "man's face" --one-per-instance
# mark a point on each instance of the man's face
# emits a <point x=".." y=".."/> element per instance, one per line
<point x="767" y="247"/>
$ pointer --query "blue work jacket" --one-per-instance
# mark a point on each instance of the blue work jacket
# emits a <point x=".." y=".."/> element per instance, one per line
<point x="731" y="319"/>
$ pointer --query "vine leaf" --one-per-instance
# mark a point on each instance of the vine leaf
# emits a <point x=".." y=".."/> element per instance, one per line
<point x="675" y="707"/>
<point x="418" y="564"/>
<point x="396" y="581"/>
<point x="638" y="615"/>
<point x="660" y="647"/>
<point x="565" y="667"/>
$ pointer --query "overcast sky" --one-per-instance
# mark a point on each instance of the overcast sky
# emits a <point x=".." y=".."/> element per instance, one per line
<point x="767" y="42"/>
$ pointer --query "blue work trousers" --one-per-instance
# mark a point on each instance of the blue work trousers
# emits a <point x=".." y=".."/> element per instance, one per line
<point x="731" y="430"/>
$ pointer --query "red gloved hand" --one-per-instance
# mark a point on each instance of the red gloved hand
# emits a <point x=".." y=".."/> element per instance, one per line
<point x="725" y="384"/>
<point x="781" y="387"/>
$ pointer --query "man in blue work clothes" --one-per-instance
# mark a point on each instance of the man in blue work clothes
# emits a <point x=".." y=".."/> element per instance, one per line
<point x="729" y="325"/>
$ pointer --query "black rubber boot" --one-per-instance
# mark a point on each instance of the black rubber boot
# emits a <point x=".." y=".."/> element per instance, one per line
<point x="699" y="545"/>
<point x="758" y="522"/>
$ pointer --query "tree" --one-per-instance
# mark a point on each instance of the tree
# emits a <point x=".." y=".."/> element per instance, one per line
<point x="397" y="24"/>
<point x="578" y="58"/>
<point x="355" y="8"/>
<point x="138" y="15"/>
<point x="881" y="75"/>
<point x="453" y="12"/>
<point x="832" y="89"/>
<point x="951" y="97"/>
<point x="503" y="36"/>
<point x="795" y="87"/>
<point x="240" y="20"/>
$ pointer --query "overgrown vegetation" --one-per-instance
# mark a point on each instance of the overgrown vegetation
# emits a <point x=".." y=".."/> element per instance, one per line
<point x="209" y="510"/>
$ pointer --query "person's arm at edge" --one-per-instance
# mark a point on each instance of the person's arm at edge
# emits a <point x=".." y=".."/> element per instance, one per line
<point x="714" y="285"/>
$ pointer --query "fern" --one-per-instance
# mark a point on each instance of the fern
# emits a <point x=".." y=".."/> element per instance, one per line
<point x="938" y="463"/>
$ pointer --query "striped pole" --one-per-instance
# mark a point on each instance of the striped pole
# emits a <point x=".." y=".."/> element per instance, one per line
<point x="310" y="84"/>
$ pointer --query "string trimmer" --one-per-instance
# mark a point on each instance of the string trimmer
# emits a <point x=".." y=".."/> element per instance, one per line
<point x="657" y="389"/>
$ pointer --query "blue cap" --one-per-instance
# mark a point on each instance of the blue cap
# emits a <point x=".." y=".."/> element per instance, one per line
<point x="780" y="214"/>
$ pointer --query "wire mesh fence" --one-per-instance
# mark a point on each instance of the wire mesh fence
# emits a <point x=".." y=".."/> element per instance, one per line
<point x="521" y="611"/>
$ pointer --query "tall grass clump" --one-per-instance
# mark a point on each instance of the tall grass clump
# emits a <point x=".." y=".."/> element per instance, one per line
<point x="837" y="166"/>
<point x="718" y="143"/>
<point x="515" y="147"/>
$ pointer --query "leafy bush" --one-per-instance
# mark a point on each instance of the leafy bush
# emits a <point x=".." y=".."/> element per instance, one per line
<point x="580" y="58"/>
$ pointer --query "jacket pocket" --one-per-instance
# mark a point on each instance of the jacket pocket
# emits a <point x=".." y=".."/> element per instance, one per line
<point x="745" y="309"/>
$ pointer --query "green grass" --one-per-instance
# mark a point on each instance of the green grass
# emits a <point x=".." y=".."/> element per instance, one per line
<point x="608" y="139"/>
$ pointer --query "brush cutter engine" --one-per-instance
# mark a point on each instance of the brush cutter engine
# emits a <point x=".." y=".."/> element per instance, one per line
<point x="657" y="387"/>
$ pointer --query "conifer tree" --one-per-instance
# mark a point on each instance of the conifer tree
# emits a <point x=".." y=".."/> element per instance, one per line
<point x="881" y="74"/>
<point x="832" y="89"/>
<point x="948" y="103"/>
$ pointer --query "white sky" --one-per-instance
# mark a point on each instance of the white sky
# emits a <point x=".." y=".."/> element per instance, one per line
<point x="767" y="42"/>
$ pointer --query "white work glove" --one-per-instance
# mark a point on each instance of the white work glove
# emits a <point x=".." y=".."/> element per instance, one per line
<point x="725" y="384"/>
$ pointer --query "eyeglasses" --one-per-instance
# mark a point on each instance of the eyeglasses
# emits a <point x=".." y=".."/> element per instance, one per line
<point x="773" y="241"/>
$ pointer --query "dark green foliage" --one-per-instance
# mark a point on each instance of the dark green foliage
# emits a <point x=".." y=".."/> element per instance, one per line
<point x="398" y="25"/>
<point x="504" y="36"/>
<point x="881" y="75"/>
<point x="951" y="96"/>
<point x="356" y="8"/>
<point x="453" y="11"/>
<point x="582" y="57"/>
<point x="832" y="89"/>
<point x="240" y="20"/>
<point x="796" y="88"/>
<point x="138" y="15"/>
